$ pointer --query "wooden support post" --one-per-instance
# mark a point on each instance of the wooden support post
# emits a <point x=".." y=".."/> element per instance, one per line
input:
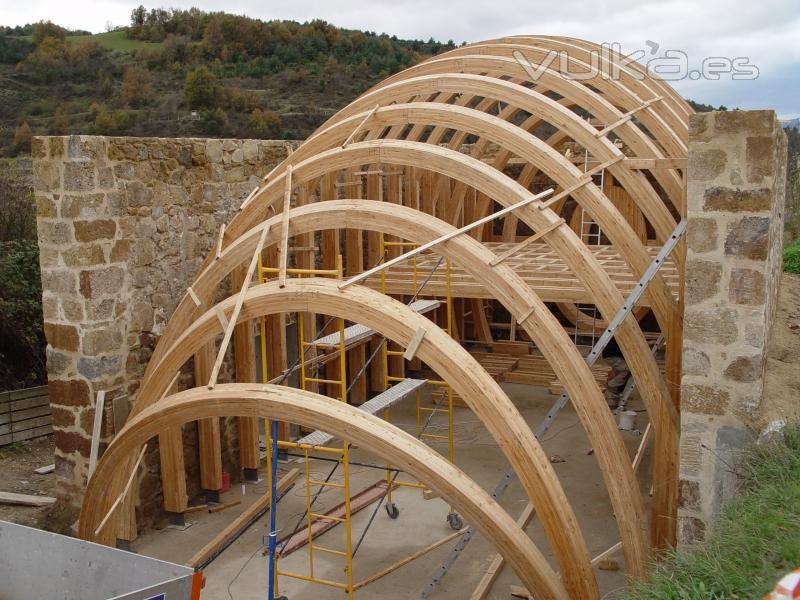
<point x="208" y="431"/>
<point x="283" y="246"/>
<point x="354" y="263"/>
<point x="375" y="192"/>
<point x="244" y="361"/>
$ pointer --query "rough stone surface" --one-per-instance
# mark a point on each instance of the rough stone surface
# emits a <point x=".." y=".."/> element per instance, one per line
<point x="123" y="225"/>
<point x="735" y="201"/>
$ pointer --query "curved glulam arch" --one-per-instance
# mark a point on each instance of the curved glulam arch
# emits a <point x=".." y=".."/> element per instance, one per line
<point x="319" y="412"/>
<point x="503" y="283"/>
<point x="444" y="355"/>
<point x="457" y="75"/>
<point x="581" y="96"/>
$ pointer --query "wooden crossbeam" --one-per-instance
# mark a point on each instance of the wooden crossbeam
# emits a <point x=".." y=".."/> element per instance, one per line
<point x="526" y="242"/>
<point x="221" y="316"/>
<point x="124" y="493"/>
<point x="657" y="163"/>
<point x="359" y="127"/>
<point x="212" y="380"/>
<point x="441" y="239"/>
<point x="283" y="247"/>
<point x="193" y="296"/>
<point x="626" y="117"/>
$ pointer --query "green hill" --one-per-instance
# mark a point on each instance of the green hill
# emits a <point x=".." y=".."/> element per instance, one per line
<point x="188" y="73"/>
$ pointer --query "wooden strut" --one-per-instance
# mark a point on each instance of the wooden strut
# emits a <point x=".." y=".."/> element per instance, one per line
<point x="283" y="247"/>
<point x="626" y="117"/>
<point x="448" y="236"/>
<point x="413" y="345"/>
<point x="124" y="493"/>
<point x="220" y="240"/>
<point x="360" y="126"/>
<point x="585" y="179"/>
<point x="212" y="380"/>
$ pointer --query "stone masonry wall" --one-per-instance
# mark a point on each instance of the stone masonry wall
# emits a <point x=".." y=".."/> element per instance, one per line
<point x="736" y="191"/>
<point x="123" y="225"/>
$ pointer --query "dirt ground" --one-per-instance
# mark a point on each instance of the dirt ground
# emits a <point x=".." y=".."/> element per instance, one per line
<point x="17" y="464"/>
<point x="783" y="373"/>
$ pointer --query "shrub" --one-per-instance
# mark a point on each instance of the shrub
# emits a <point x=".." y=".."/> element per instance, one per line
<point x="202" y="90"/>
<point x="22" y="343"/>
<point x="791" y="258"/>
<point x="265" y="123"/>
<point x="22" y="137"/>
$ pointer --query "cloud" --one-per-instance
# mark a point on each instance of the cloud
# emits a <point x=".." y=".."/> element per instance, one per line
<point x="766" y="31"/>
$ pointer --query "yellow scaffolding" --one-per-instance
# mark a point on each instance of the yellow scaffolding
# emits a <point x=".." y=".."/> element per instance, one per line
<point x="445" y="390"/>
<point x="343" y="453"/>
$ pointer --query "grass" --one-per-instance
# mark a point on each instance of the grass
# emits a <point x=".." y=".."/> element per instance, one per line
<point x="754" y="541"/>
<point x="114" y="40"/>
<point x="791" y="258"/>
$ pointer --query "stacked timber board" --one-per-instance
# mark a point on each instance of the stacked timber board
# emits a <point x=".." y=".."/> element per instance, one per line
<point x="24" y="414"/>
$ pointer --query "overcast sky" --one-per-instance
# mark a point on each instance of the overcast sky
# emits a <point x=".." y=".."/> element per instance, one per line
<point x="765" y="32"/>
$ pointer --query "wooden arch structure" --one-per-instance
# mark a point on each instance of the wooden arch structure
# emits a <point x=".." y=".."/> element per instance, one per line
<point x="432" y="149"/>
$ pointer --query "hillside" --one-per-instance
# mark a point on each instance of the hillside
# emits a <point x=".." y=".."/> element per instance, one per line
<point x="188" y="73"/>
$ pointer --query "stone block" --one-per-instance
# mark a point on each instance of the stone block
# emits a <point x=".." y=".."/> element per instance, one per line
<point x="101" y="341"/>
<point x="214" y="151"/>
<point x="691" y="530"/>
<point x="706" y="165"/>
<point x="83" y="256"/>
<point x="62" y="417"/>
<point x="715" y="325"/>
<point x="760" y="156"/>
<point x="701" y="235"/>
<point x="46" y="176"/>
<point x="702" y="280"/>
<point x="85" y="206"/>
<point x="59" y="282"/>
<point x="704" y="399"/>
<point x="79" y="176"/>
<point x="61" y="336"/>
<point x="750" y="122"/>
<point x="747" y="286"/>
<point x="69" y="392"/>
<point x="689" y="495"/>
<point x="56" y="233"/>
<point x="71" y="442"/>
<point x="748" y="238"/>
<point x="45" y="207"/>
<point x="121" y="251"/>
<point x="695" y="362"/>
<point x="101" y="282"/>
<point x="98" y="229"/>
<point x="58" y="363"/>
<point x="745" y="369"/>
<point x="97" y="367"/>
<point x="736" y="200"/>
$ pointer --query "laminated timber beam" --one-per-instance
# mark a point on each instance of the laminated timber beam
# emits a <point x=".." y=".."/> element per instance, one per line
<point x="312" y="410"/>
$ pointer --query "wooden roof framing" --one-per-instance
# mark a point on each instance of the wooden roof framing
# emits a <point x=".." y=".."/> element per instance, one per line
<point x="417" y="121"/>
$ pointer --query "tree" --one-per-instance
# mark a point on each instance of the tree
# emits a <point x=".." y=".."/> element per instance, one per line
<point x="201" y="89"/>
<point x="60" y="123"/>
<point x="265" y="124"/>
<point x="22" y="137"/>
<point x="137" y="85"/>
<point x="46" y="29"/>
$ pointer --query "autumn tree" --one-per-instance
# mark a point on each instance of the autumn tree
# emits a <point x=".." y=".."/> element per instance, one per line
<point x="137" y="85"/>
<point x="22" y="137"/>
<point x="265" y="124"/>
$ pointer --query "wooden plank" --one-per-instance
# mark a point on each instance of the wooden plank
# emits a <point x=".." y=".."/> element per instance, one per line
<point x="28" y="434"/>
<point x="358" y="502"/>
<point x="45" y="470"/>
<point x="239" y="525"/>
<point x="29" y="424"/>
<point x="283" y="245"/>
<point x="25" y="499"/>
<point x="96" y="431"/>
<point x="244" y="360"/>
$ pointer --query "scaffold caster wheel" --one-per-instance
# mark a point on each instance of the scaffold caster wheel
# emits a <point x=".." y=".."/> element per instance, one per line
<point x="392" y="510"/>
<point x="455" y="521"/>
